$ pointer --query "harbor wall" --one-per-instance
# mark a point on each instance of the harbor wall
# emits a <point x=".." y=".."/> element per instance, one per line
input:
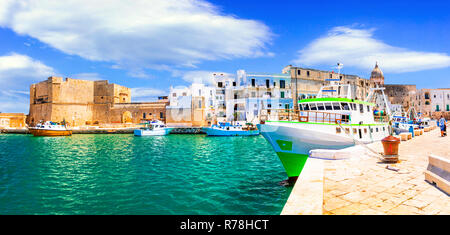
<point x="130" y="130"/>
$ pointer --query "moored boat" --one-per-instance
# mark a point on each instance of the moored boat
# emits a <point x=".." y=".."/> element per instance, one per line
<point x="333" y="121"/>
<point x="226" y="129"/>
<point x="50" y="129"/>
<point x="153" y="128"/>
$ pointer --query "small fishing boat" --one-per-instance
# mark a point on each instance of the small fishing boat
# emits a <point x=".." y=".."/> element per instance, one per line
<point x="402" y="124"/>
<point x="153" y="128"/>
<point x="49" y="128"/>
<point x="226" y="129"/>
<point x="407" y="121"/>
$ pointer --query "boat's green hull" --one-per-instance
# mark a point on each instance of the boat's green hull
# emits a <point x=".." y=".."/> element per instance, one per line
<point x="293" y="162"/>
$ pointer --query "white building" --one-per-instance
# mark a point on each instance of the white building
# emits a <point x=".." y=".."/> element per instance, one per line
<point x="240" y="98"/>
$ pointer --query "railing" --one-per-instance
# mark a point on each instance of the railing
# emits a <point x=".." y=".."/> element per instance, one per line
<point x="316" y="116"/>
<point x="378" y="118"/>
<point x="312" y="116"/>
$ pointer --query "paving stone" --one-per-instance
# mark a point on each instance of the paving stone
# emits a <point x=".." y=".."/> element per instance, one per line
<point x="365" y="186"/>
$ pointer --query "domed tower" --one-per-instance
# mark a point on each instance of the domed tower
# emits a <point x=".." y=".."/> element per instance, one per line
<point x="377" y="75"/>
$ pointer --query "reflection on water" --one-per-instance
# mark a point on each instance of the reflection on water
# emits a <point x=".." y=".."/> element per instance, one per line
<point x="123" y="174"/>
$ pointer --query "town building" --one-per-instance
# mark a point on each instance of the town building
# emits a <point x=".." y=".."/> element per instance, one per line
<point x="89" y="103"/>
<point x="191" y="106"/>
<point x="12" y="121"/>
<point x="306" y="82"/>
<point x="376" y="76"/>
<point x="241" y="98"/>
<point x="404" y="95"/>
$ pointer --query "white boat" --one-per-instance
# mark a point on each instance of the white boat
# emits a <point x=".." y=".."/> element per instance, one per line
<point x="49" y="128"/>
<point x="226" y="129"/>
<point x="333" y="120"/>
<point x="153" y="129"/>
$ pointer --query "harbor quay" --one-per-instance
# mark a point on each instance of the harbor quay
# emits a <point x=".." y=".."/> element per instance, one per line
<point x="362" y="184"/>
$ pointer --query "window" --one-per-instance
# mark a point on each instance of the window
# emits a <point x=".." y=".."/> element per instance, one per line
<point x="174" y="95"/>
<point x="328" y="106"/>
<point x="143" y="115"/>
<point x="331" y="75"/>
<point x="320" y="106"/>
<point x="368" y="108"/>
<point x="313" y="106"/>
<point x="437" y="108"/>
<point x="282" y="84"/>
<point x="199" y="103"/>
<point x="269" y="105"/>
<point x="253" y="82"/>
<point x="219" y="84"/>
<point x="199" y="92"/>
<point x="345" y="118"/>
<point x="361" y="108"/>
<point x="282" y="94"/>
<point x="268" y="83"/>
<point x="184" y="94"/>
<point x="161" y="115"/>
<point x="298" y="72"/>
<point x="307" y="73"/>
<point x="338" y="130"/>
<point x="234" y="83"/>
<point x="345" y="106"/>
<point x="253" y="94"/>
<point x="307" y="107"/>
<point x="353" y="106"/>
<point x="336" y="106"/>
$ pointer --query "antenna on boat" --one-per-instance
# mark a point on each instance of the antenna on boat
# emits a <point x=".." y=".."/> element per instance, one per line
<point x="334" y="83"/>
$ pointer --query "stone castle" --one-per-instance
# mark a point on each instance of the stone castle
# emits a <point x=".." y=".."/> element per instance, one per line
<point x="86" y="103"/>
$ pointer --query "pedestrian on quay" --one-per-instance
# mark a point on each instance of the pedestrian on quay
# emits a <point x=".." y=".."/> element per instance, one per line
<point x="443" y="126"/>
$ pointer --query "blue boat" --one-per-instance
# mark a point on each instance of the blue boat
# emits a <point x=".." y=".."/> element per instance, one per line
<point x="226" y="129"/>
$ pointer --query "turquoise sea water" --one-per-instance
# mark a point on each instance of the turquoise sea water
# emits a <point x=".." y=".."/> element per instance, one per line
<point x="123" y="174"/>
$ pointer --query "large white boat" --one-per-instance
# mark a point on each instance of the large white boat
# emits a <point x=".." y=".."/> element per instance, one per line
<point x="152" y="129"/>
<point x="333" y="120"/>
<point x="49" y="128"/>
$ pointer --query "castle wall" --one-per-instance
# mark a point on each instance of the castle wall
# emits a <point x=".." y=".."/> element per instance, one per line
<point x="82" y="102"/>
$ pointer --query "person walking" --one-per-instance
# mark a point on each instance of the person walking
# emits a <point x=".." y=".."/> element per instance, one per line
<point x="443" y="126"/>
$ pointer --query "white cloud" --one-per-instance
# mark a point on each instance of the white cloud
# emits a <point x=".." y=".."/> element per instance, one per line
<point x="87" y="76"/>
<point x="358" y="48"/>
<point x="203" y="77"/>
<point x="139" y="33"/>
<point x="140" y="94"/>
<point x="17" y="73"/>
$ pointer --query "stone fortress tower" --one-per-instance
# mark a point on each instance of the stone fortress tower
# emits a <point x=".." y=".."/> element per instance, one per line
<point x="85" y="103"/>
<point x="377" y="76"/>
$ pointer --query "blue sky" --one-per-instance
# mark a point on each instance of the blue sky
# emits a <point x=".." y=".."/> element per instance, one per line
<point x="150" y="45"/>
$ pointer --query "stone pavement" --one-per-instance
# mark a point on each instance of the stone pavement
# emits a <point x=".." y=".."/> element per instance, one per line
<point x="364" y="186"/>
